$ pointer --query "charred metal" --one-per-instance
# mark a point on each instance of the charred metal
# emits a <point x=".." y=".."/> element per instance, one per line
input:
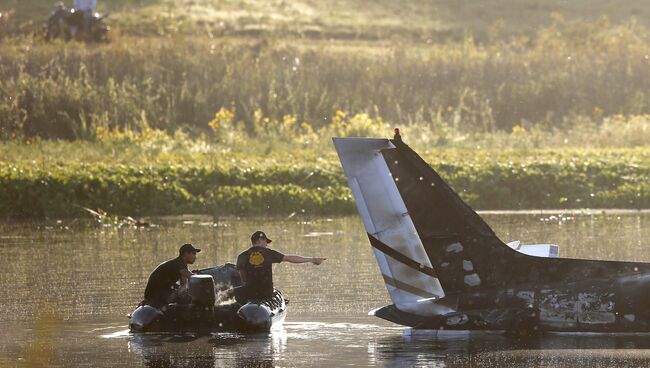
<point x="486" y="284"/>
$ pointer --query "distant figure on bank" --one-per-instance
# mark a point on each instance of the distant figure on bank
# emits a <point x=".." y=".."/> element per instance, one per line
<point x="396" y="135"/>
<point x="255" y="268"/>
<point x="87" y="7"/>
<point x="160" y="287"/>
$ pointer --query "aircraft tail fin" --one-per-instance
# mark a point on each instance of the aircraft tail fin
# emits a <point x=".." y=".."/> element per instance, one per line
<point x="402" y="260"/>
<point x="427" y="241"/>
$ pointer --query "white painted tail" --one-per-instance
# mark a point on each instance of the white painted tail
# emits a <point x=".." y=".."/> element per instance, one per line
<point x="385" y="218"/>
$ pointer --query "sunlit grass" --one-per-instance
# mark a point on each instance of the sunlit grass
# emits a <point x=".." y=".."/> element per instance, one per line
<point x="566" y="74"/>
<point x="288" y="140"/>
<point x="347" y="19"/>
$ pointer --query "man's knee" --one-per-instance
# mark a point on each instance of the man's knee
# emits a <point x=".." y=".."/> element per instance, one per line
<point x="161" y="299"/>
<point x="241" y="294"/>
<point x="157" y="301"/>
<point x="85" y="21"/>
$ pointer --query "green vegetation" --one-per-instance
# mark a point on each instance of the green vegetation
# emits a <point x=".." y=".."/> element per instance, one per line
<point x="28" y="192"/>
<point x="228" y="107"/>
<point x="155" y="173"/>
<point x="548" y="181"/>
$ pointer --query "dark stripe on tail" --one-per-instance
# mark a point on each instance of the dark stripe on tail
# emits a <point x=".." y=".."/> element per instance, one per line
<point x="401" y="258"/>
<point x="408" y="287"/>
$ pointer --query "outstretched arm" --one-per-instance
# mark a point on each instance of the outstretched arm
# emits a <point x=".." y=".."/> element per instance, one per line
<point x="301" y="259"/>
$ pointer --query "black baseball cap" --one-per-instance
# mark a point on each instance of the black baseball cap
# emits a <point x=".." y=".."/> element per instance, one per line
<point x="185" y="248"/>
<point x="259" y="235"/>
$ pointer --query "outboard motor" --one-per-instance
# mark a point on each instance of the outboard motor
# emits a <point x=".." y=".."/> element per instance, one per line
<point x="225" y="277"/>
<point x="143" y="316"/>
<point x="201" y="289"/>
<point x="256" y="316"/>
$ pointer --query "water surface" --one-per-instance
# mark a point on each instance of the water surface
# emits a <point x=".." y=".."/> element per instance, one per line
<point x="68" y="287"/>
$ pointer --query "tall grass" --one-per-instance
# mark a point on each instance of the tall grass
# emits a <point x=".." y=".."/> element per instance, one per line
<point x="565" y="72"/>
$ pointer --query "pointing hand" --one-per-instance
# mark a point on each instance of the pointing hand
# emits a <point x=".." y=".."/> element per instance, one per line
<point x="317" y="260"/>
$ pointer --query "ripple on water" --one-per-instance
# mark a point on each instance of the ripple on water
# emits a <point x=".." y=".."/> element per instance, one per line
<point x="327" y="322"/>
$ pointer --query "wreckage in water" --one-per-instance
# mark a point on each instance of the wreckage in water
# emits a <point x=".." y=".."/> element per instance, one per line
<point x="445" y="268"/>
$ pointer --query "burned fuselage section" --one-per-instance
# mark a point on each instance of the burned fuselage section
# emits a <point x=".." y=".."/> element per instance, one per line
<point x="477" y="281"/>
<point x="595" y="305"/>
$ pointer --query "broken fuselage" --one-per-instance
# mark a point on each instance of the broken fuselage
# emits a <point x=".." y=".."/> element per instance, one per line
<point x="445" y="268"/>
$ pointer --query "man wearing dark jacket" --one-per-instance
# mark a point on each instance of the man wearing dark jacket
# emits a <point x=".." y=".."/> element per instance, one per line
<point x="161" y="282"/>
<point x="255" y="267"/>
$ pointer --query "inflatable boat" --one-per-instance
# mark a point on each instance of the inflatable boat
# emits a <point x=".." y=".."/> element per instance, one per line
<point x="203" y="309"/>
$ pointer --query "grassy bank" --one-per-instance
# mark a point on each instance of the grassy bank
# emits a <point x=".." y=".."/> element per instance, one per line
<point x="228" y="107"/>
<point x="56" y="179"/>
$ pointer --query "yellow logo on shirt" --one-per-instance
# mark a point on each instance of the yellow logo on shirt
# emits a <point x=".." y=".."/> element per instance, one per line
<point x="256" y="258"/>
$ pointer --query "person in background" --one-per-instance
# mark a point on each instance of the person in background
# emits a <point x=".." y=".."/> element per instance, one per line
<point x="160" y="286"/>
<point x="87" y="7"/>
<point x="255" y="268"/>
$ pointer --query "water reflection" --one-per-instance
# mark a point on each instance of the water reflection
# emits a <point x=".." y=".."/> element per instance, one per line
<point x="325" y="344"/>
<point x="218" y="350"/>
<point x="493" y="349"/>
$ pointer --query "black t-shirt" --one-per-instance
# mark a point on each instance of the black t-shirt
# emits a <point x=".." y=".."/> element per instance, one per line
<point x="257" y="262"/>
<point x="164" y="277"/>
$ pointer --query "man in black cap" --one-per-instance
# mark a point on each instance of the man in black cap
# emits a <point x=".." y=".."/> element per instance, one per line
<point x="159" y="288"/>
<point x="255" y="268"/>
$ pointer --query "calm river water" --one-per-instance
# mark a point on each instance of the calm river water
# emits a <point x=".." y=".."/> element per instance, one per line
<point x="67" y="288"/>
